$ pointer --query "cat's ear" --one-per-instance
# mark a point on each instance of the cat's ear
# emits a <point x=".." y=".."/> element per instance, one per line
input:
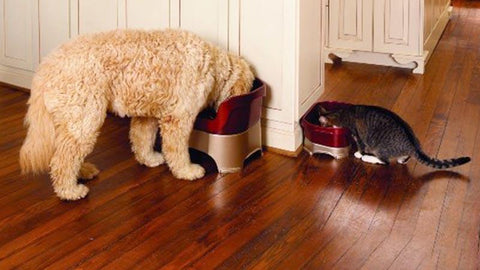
<point x="322" y="110"/>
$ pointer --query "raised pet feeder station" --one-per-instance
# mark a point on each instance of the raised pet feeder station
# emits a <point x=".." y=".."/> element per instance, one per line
<point x="232" y="134"/>
<point x="333" y="141"/>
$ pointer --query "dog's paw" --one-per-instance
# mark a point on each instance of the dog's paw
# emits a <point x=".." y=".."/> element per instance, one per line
<point x="72" y="193"/>
<point x="153" y="159"/>
<point x="88" y="171"/>
<point x="190" y="172"/>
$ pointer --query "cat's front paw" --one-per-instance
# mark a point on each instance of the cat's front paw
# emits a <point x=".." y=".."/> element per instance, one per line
<point x="358" y="154"/>
<point x="372" y="159"/>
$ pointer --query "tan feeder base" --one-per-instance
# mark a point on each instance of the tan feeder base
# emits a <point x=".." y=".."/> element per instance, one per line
<point x="228" y="151"/>
<point x="336" y="152"/>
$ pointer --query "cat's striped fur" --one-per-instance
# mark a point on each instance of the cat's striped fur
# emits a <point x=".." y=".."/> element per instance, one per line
<point x="381" y="135"/>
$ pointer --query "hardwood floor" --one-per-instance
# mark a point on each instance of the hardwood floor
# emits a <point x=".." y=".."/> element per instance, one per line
<point x="279" y="212"/>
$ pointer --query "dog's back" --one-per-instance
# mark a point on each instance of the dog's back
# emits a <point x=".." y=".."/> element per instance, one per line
<point x="157" y="68"/>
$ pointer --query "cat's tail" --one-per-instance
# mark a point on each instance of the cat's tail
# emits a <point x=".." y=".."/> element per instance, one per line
<point x="39" y="145"/>
<point x="440" y="164"/>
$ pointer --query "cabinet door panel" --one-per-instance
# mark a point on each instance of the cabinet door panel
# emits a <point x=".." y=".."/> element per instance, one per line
<point x="148" y="14"/>
<point x="16" y="33"/>
<point x="54" y="18"/>
<point x="207" y="18"/>
<point x="97" y="16"/>
<point x="397" y="26"/>
<point x="350" y="24"/>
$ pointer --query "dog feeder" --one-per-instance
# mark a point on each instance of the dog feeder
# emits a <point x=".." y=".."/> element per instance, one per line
<point x="333" y="141"/>
<point x="233" y="133"/>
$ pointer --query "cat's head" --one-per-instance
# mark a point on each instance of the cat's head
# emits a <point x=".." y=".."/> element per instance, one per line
<point x="329" y="118"/>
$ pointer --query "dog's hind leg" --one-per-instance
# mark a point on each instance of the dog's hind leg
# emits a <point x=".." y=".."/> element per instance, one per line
<point x="76" y="134"/>
<point x="142" y="136"/>
<point x="175" y="131"/>
<point x="65" y="166"/>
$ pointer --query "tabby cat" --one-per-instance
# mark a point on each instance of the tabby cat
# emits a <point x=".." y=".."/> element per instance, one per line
<point x="381" y="135"/>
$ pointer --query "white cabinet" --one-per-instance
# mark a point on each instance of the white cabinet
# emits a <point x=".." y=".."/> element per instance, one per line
<point x="18" y="41"/>
<point x="147" y="14"/>
<point x="282" y="39"/>
<point x="213" y="27"/>
<point x="388" y="32"/>
<point x="54" y="20"/>
<point x="96" y="16"/>
<point x="18" y="32"/>
<point x="60" y="20"/>
<point x="397" y="27"/>
<point x="350" y="24"/>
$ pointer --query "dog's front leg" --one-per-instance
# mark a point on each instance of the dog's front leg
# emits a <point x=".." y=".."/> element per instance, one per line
<point x="175" y="133"/>
<point x="142" y="136"/>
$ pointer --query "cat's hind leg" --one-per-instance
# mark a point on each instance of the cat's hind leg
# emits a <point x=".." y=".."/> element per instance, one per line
<point x="358" y="154"/>
<point x="403" y="160"/>
<point x="360" y="146"/>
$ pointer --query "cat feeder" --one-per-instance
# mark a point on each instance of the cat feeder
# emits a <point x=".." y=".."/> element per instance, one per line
<point x="232" y="134"/>
<point x="333" y="141"/>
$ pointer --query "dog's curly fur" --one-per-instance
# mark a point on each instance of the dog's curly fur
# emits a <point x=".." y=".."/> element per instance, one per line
<point x="162" y="79"/>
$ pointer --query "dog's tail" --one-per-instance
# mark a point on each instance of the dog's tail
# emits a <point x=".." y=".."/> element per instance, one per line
<point x="39" y="145"/>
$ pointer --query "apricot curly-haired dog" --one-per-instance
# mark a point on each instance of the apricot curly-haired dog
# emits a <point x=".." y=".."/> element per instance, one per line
<point x="162" y="79"/>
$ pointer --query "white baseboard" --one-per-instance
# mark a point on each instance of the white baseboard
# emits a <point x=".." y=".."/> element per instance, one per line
<point x="17" y="77"/>
<point x="288" y="138"/>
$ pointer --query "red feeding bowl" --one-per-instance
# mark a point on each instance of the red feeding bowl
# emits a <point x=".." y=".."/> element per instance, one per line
<point x="233" y="133"/>
<point x="235" y="114"/>
<point x="325" y="139"/>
